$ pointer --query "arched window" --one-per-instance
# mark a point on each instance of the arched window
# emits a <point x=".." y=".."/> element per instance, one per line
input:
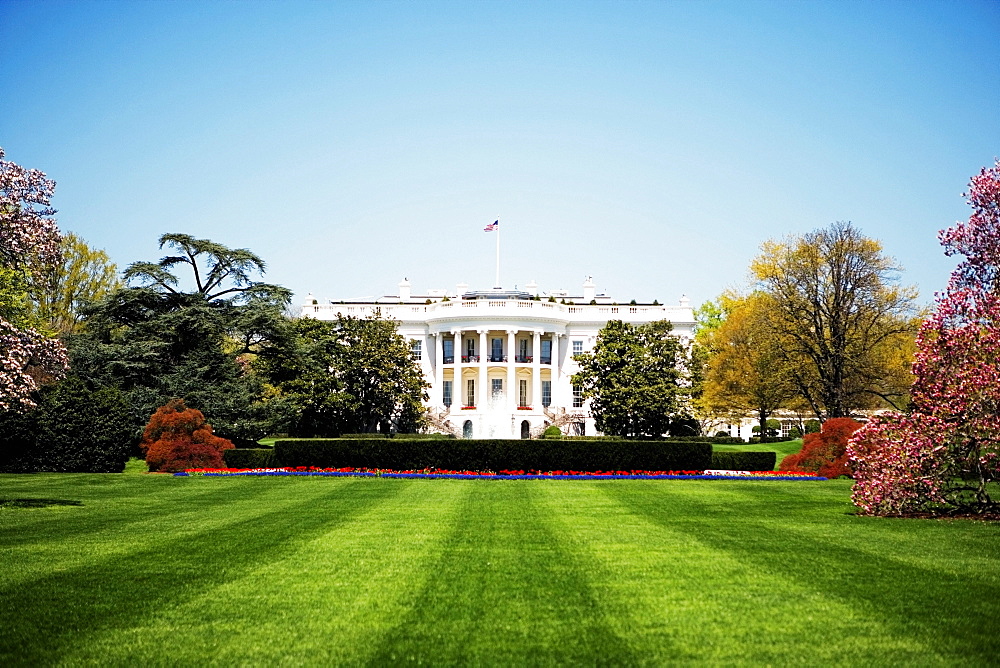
<point x="467" y="429"/>
<point x="525" y="429"/>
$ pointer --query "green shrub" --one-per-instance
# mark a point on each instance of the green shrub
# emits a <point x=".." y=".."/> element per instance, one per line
<point x="725" y="439"/>
<point x="494" y="454"/>
<point x="552" y="431"/>
<point x="261" y="458"/>
<point x="73" y="429"/>
<point x="370" y="435"/>
<point x="744" y="461"/>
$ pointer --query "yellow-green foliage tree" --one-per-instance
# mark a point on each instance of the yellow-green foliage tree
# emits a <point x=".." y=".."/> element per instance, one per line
<point x="746" y="369"/>
<point x="844" y="325"/>
<point x="85" y="275"/>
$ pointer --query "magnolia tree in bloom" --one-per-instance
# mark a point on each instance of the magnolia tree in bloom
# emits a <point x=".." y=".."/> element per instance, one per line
<point x="942" y="455"/>
<point x="29" y="243"/>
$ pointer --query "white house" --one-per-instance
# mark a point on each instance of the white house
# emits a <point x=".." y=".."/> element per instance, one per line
<point x="499" y="362"/>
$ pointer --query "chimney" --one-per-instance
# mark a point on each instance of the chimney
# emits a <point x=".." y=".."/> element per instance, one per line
<point x="462" y="289"/>
<point x="404" y="290"/>
<point x="532" y="288"/>
<point x="589" y="290"/>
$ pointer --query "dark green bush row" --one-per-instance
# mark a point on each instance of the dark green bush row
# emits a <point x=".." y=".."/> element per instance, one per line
<point x="261" y="458"/>
<point x="415" y="437"/>
<point x="494" y="454"/>
<point x="744" y="461"/>
<point x="74" y="429"/>
<point x="720" y="440"/>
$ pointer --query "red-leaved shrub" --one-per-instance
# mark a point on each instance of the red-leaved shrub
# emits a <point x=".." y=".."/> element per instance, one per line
<point x="824" y="453"/>
<point x="178" y="438"/>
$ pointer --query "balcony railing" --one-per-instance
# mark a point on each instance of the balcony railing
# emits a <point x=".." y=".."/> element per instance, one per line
<point x="523" y="359"/>
<point x="546" y="360"/>
<point x="449" y="359"/>
<point x="470" y="358"/>
<point x="498" y="358"/>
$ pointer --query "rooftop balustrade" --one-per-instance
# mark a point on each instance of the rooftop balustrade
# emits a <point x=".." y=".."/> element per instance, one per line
<point x="501" y="308"/>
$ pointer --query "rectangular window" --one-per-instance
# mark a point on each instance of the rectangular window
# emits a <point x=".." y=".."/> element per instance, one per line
<point x="448" y="349"/>
<point x="577" y="347"/>
<point x="579" y="428"/>
<point x="446" y="393"/>
<point x="522" y="393"/>
<point x="470" y="347"/>
<point x="470" y="392"/>
<point x="416" y="349"/>
<point x="497" y="352"/>
<point x="546" y="393"/>
<point x="578" y="396"/>
<point x="546" y="351"/>
<point x="497" y="387"/>
<point x="524" y="347"/>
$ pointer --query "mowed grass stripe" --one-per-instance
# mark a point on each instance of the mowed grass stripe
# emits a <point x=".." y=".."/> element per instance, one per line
<point x="505" y="591"/>
<point x="326" y="601"/>
<point x="908" y="584"/>
<point x="116" y="585"/>
<point x="877" y="607"/>
<point x="142" y="517"/>
<point x="688" y="600"/>
<point x="137" y="503"/>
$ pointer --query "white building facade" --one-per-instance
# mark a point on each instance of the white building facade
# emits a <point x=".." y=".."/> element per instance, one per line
<point x="500" y="362"/>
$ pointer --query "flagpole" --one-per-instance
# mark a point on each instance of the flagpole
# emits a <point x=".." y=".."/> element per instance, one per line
<point x="497" y="283"/>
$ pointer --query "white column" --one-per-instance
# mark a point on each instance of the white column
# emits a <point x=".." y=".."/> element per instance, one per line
<point x="557" y="393"/>
<point x="482" y="401"/>
<point x="536" y="371"/>
<point x="511" y="371"/>
<point x="457" y="391"/>
<point x="439" y="370"/>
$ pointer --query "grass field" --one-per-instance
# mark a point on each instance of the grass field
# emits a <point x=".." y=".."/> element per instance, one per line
<point x="781" y="449"/>
<point x="131" y="569"/>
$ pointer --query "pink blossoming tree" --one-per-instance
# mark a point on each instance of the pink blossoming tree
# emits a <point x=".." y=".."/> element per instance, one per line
<point x="941" y="456"/>
<point x="29" y="244"/>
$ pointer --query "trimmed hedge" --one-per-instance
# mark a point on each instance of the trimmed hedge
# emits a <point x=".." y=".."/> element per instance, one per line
<point x="245" y="458"/>
<point x="415" y="437"/>
<point x="74" y="429"/>
<point x="744" y="461"/>
<point x="494" y="454"/>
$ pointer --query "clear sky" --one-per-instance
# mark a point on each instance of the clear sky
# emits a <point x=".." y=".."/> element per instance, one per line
<point x="651" y="145"/>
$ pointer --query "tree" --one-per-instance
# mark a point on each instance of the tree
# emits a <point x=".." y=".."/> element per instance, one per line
<point x="746" y="370"/>
<point x="635" y="379"/>
<point x="84" y="276"/>
<point x="839" y="317"/>
<point x="825" y="452"/>
<point x="178" y="438"/>
<point x="348" y="376"/>
<point x="157" y="341"/>
<point x="74" y="428"/>
<point x="945" y="452"/>
<point x="29" y="244"/>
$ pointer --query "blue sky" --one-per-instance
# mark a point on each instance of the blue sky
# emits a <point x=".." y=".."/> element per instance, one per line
<point x="654" y="146"/>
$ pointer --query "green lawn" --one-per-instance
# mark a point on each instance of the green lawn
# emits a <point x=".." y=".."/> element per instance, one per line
<point x="781" y="449"/>
<point x="152" y="569"/>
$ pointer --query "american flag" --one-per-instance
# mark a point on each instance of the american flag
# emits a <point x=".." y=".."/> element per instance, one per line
<point x="492" y="227"/>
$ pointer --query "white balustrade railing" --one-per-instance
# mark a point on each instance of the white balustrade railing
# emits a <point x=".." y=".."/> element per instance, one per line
<point x="581" y="312"/>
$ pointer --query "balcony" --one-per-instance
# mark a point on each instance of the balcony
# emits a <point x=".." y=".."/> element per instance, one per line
<point x="546" y="360"/>
<point x="498" y="358"/>
<point x="449" y="359"/>
<point x="523" y="359"/>
<point x="469" y="358"/>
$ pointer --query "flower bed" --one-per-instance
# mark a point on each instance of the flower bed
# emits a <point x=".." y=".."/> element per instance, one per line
<point x="508" y="474"/>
